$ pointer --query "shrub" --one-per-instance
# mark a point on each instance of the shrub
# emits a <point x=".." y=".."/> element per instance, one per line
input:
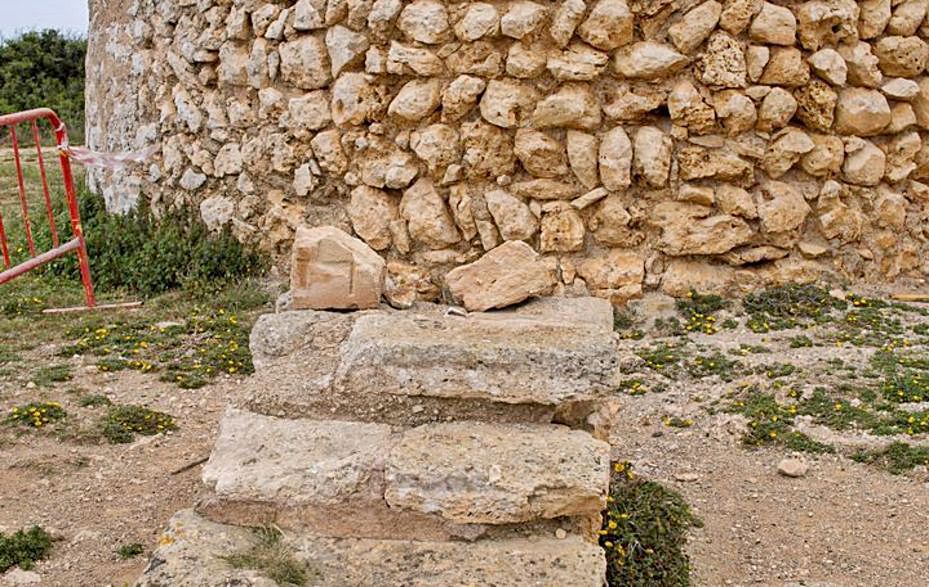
<point x="36" y="415"/>
<point x="122" y="423"/>
<point x="644" y="532"/>
<point x="24" y="548"/>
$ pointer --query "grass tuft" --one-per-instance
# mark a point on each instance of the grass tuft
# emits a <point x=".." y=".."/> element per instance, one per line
<point x="270" y="556"/>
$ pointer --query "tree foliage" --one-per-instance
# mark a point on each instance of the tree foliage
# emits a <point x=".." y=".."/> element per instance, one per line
<point x="44" y="68"/>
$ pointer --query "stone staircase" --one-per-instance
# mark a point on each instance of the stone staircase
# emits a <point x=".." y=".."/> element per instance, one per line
<point x="412" y="448"/>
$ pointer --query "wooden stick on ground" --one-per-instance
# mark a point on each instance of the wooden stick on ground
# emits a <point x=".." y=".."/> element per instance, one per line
<point x="117" y="306"/>
<point x="905" y="297"/>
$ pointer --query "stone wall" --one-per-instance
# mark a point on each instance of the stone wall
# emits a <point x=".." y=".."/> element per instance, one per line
<point x="633" y="143"/>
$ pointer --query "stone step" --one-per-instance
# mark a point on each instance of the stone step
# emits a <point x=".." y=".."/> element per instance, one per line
<point x="436" y="481"/>
<point x="195" y="552"/>
<point x="549" y="360"/>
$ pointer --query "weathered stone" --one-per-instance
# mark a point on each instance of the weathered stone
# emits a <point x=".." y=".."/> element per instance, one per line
<point x="689" y="229"/>
<point x="492" y="474"/>
<point x="907" y="17"/>
<point x="902" y="56"/>
<point x="582" y="156"/>
<point x="735" y="111"/>
<point x="826" y="157"/>
<point x="540" y="154"/>
<point x="736" y="201"/>
<point x="775" y="25"/>
<point x="427" y="216"/>
<point x="864" y="162"/>
<point x="346" y="48"/>
<point x="305" y="63"/>
<point x="861" y="112"/>
<point x="782" y="153"/>
<point x="578" y="63"/>
<point x="695" y="26"/>
<point x="724" y="62"/>
<point x="786" y="68"/>
<point x="611" y="224"/>
<point x="816" y="103"/>
<point x="608" y="25"/>
<point x="568" y="15"/>
<point x="371" y="211"/>
<point x="572" y="106"/>
<point x="648" y="60"/>
<point x="827" y="22"/>
<point x="615" y="159"/>
<point x="513" y="217"/>
<point x="616" y="270"/>
<point x="216" y="212"/>
<point x="506" y="102"/>
<point x="737" y="15"/>
<point x="522" y="18"/>
<point x="524" y="62"/>
<point x="696" y="162"/>
<point x="687" y="108"/>
<point x="425" y="21"/>
<point x="195" y="552"/>
<point x="900" y="89"/>
<point x="559" y="355"/>
<point x="652" y="159"/>
<point x="783" y="208"/>
<point x="437" y="145"/>
<point x="330" y="269"/>
<point x="756" y="58"/>
<point x="875" y="14"/>
<point x="862" y="65"/>
<point x="487" y="150"/>
<point x="416" y="100"/>
<point x="460" y="96"/>
<point x="829" y="65"/>
<point x="562" y="229"/>
<point x="479" y="20"/>
<point x="696" y="194"/>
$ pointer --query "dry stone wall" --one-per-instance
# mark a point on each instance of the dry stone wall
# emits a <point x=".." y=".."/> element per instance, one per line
<point x="634" y="144"/>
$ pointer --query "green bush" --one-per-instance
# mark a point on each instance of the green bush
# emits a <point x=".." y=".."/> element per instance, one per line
<point x="24" y="548"/>
<point x="644" y="532"/>
<point x="137" y="253"/>
<point x="44" y="68"/>
<point x="122" y="423"/>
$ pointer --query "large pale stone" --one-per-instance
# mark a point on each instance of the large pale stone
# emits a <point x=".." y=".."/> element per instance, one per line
<point x="902" y="56"/>
<point x="460" y="96"/>
<point x="648" y="60"/>
<point x="862" y="65"/>
<point x="775" y="25"/>
<point x="505" y="102"/>
<point x="737" y="15"/>
<point x="864" y="162"/>
<point x="582" y="156"/>
<point x="567" y="16"/>
<point x="330" y="269"/>
<point x="829" y="65"/>
<point x="522" y="18"/>
<point x="437" y="145"/>
<point x="371" y="211"/>
<point x="875" y="14"/>
<point x="827" y="23"/>
<point x="471" y="472"/>
<point x="786" y="68"/>
<point x="513" y="217"/>
<point x="305" y="63"/>
<point x="425" y="21"/>
<point x="861" y="112"/>
<point x="615" y="159"/>
<point x="416" y="100"/>
<point x="689" y="229"/>
<point x="504" y="276"/>
<point x="610" y="224"/>
<point x="479" y="20"/>
<point x="687" y="108"/>
<point x="695" y="26"/>
<point x="783" y="209"/>
<point x="652" y="159"/>
<point x="195" y="552"/>
<point x="346" y="48"/>
<point x="609" y="25"/>
<point x="428" y="218"/>
<point x="572" y="106"/>
<point x="548" y="353"/>
<point x="615" y="270"/>
<point x="776" y="110"/>
<point x="724" y="62"/>
<point x="540" y="154"/>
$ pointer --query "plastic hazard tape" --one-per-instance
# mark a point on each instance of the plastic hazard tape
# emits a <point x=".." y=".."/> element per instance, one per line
<point x="111" y="161"/>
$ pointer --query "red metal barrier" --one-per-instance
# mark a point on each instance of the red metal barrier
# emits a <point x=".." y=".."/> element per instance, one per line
<point x="76" y="243"/>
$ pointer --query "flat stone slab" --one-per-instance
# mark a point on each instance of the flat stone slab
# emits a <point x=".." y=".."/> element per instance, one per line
<point x="472" y="472"/>
<point x="437" y="481"/>
<point x="192" y="552"/>
<point x="557" y="352"/>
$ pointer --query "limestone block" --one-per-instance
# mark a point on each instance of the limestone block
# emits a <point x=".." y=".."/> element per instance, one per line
<point x="470" y="472"/>
<point x="504" y="276"/>
<point x="305" y="63"/>
<point x="331" y="269"/>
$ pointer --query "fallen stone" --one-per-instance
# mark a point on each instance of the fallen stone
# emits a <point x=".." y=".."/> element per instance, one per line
<point x="504" y="276"/>
<point x="793" y="467"/>
<point x="333" y="270"/>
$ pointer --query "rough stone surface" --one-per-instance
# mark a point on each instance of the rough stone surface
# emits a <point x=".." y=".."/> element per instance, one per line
<point x="331" y="269"/>
<point x="494" y="474"/>
<point x="192" y="551"/>
<point x="284" y="112"/>
<point x="504" y="276"/>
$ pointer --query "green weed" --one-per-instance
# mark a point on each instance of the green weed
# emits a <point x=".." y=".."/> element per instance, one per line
<point x="36" y="415"/>
<point x="24" y="548"/>
<point x="128" y="551"/>
<point x="897" y="458"/>
<point x="122" y="423"/>
<point x="271" y="557"/>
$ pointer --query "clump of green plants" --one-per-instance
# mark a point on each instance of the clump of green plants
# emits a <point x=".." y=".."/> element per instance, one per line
<point x="128" y="551"/>
<point x="51" y="374"/>
<point x="36" y="414"/>
<point x="661" y="357"/>
<point x="800" y="341"/>
<point x="790" y="306"/>
<point x="633" y="386"/>
<point x="699" y="310"/>
<point x="94" y="401"/>
<point x="769" y="423"/>
<point x="836" y="413"/>
<point x="122" y="423"/>
<point x="777" y="370"/>
<point x="897" y="458"/>
<point x="24" y="548"/>
<point x="714" y="364"/>
<point x="677" y="422"/>
<point x="271" y="557"/>
<point x="138" y="253"/>
<point x="644" y="532"/>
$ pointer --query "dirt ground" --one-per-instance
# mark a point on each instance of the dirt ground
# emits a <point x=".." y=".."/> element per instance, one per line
<point x="842" y="523"/>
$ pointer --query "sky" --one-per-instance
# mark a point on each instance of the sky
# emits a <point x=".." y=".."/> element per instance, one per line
<point x="24" y="15"/>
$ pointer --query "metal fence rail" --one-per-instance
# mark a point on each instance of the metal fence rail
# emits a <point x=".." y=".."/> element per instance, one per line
<point x="31" y="117"/>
